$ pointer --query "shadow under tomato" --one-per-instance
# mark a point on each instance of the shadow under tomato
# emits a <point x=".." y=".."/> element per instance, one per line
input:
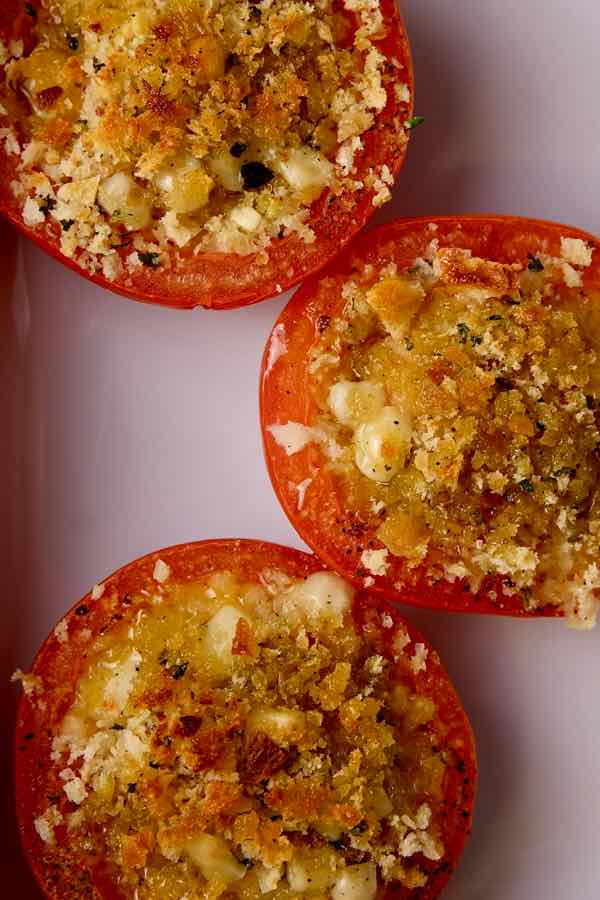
<point x="435" y="174"/>
<point x="16" y="878"/>
<point x="477" y="669"/>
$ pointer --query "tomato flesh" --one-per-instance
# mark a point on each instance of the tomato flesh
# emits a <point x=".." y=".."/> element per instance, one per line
<point x="228" y="281"/>
<point x="59" y="664"/>
<point x="286" y="396"/>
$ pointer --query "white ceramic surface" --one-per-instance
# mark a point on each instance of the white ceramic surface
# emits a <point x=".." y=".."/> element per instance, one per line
<point x="126" y="428"/>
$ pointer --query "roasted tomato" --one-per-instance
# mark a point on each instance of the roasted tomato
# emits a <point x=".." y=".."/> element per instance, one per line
<point x="192" y="155"/>
<point x="430" y="412"/>
<point x="228" y="719"/>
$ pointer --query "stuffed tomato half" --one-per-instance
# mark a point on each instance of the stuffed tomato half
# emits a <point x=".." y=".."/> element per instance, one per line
<point x="431" y="412"/>
<point x="186" y="153"/>
<point x="227" y="719"/>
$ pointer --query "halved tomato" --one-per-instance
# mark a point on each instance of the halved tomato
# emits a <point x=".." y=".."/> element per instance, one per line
<point x="310" y="488"/>
<point x="443" y="734"/>
<point x="226" y="280"/>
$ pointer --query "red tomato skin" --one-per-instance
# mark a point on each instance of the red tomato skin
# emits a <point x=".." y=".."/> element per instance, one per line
<point x="59" y="664"/>
<point x="285" y="395"/>
<point x="230" y="281"/>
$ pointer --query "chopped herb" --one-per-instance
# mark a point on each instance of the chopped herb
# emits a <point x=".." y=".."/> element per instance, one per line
<point x="565" y="470"/>
<point x="526" y="597"/>
<point x="247" y="862"/>
<point x="463" y="332"/>
<point x="338" y="845"/>
<point x="414" y="122"/>
<point x="591" y="402"/>
<point x="505" y="384"/>
<point x="31" y="10"/>
<point x="535" y="264"/>
<point x="67" y="224"/>
<point x="408" y="343"/>
<point x="255" y="12"/>
<point x="360" y="828"/>
<point x="179" y="671"/>
<point x="476" y="339"/>
<point x="256" y="175"/>
<point x="150" y="259"/>
<point x="73" y="42"/>
<point x="526" y="485"/>
<point x="232" y="60"/>
<point x="117" y="727"/>
<point x="48" y="205"/>
<point x="82" y="610"/>
<point x="237" y="149"/>
<point x="494" y="318"/>
<point x="540" y="426"/>
<point x="98" y="66"/>
<point x="131" y="787"/>
<point x="154" y="765"/>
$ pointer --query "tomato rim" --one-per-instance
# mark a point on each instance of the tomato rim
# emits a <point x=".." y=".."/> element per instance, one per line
<point x="446" y="596"/>
<point x="196" y="559"/>
<point x="229" y="281"/>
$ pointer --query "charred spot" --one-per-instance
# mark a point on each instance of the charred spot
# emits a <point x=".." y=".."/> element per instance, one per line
<point x="262" y="758"/>
<point x="189" y="725"/>
<point x="81" y="610"/>
<point x="163" y="31"/>
<point x="355" y="529"/>
<point x="237" y="149"/>
<point x="504" y="384"/>
<point x="179" y="671"/>
<point x="256" y="175"/>
<point x="208" y="745"/>
<point x="47" y="98"/>
<point x="156" y="101"/>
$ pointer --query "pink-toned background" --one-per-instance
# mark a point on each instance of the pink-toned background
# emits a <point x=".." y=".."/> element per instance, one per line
<point x="125" y="428"/>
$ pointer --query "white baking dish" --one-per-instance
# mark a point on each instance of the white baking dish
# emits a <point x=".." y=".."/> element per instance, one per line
<point x="125" y="428"/>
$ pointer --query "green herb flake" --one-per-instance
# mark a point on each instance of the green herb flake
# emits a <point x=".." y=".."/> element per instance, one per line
<point x="463" y="332"/>
<point x="67" y="224"/>
<point x="408" y="343"/>
<point x="526" y="485"/>
<point x="494" y="318"/>
<point x="414" y="122"/>
<point x="179" y="671"/>
<point x="535" y="264"/>
<point x="31" y="10"/>
<point x="151" y="260"/>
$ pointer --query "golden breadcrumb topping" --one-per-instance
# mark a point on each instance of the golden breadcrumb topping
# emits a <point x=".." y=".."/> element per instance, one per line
<point x="210" y="126"/>
<point x="233" y="739"/>
<point x="460" y="405"/>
